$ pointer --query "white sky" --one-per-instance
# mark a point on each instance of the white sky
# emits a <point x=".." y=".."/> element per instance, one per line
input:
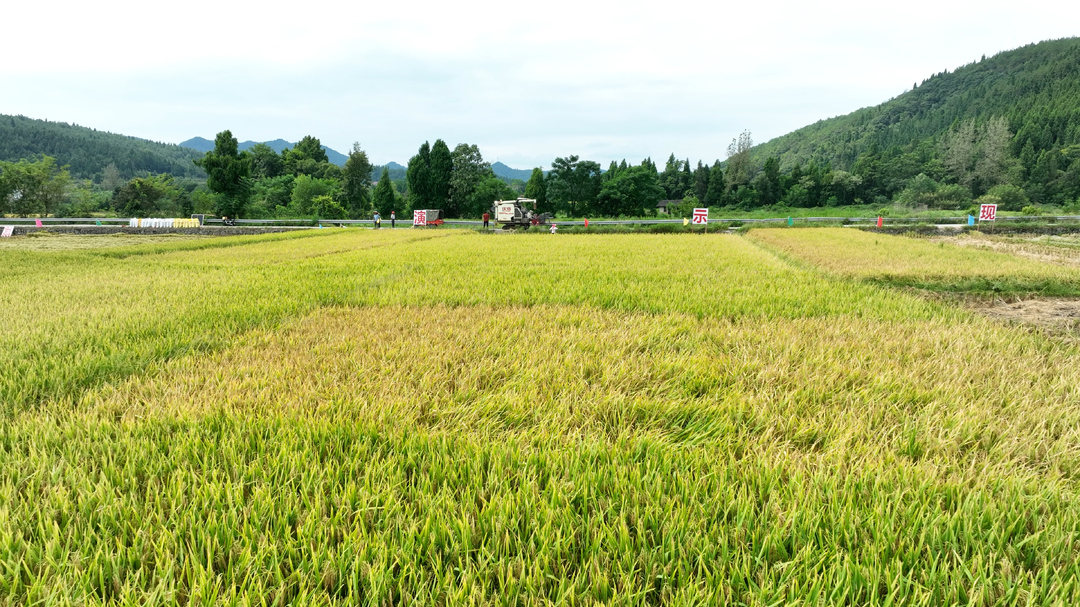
<point x="526" y="82"/>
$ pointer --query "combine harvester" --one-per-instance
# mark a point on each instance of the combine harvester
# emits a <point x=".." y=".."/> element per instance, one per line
<point x="513" y="214"/>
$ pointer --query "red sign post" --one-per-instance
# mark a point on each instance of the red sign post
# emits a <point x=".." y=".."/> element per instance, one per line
<point x="701" y="217"/>
<point x="419" y="218"/>
<point x="988" y="212"/>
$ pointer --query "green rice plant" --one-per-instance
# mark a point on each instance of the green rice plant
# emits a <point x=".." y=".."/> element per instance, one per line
<point x="85" y="318"/>
<point x="351" y="417"/>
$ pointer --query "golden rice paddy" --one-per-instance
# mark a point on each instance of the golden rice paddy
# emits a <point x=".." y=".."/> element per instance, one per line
<point x="353" y="417"/>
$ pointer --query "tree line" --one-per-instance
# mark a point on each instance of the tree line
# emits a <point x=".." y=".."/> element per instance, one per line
<point x="973" y="162"/>
<point x="302" y="183"/>
<point x="260" y="183"/>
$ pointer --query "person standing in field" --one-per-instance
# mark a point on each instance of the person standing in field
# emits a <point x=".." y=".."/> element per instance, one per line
<point x="554" y="228"/>
<point x="393" y="219"/>
<point x="487" y="218"/>
<point x="378" y="220"/>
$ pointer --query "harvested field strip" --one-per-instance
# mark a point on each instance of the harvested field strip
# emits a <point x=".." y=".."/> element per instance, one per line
<point x="913" y="262"/>
<point x="1053" y="314"/>
<point x="70" y="242"/>
<point x="1048" y="249"/>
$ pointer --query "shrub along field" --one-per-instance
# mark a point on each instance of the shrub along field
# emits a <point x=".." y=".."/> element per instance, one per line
<point x="357" y="417"/>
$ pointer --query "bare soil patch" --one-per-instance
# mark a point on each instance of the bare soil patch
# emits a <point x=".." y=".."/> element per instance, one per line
<point x="1049" y="313"/>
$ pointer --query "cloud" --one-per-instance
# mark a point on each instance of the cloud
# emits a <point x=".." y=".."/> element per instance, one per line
<point x="603" y="80"/>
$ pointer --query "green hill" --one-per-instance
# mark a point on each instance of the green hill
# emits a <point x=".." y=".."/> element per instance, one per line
<point x="1008" y="126"/>
<point x="506" y="173"/>
<point x="88" y="151"/>
<point x="1036" y="87"/>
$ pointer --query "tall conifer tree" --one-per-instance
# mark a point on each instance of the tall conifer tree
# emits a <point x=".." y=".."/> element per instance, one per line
<point x="715" y="193"/>
<point x="418" y="178"/>
<point x="357" y="182"/>
<point x="385" y="197"/>
<point x="701" y="181"/>
<point x="440" y="172"/>
<point x="686" y="180"/>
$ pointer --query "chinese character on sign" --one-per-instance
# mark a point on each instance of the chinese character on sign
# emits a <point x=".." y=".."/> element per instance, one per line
<point x="988" y="212"/>
<point x="8" y="231"/>
<point x="701" y="216"/>
<point x="419" y="218"/>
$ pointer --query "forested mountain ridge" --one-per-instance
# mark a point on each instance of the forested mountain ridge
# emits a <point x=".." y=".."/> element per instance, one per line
<point x="88" y="151"/>
<point x="1035" y="87"/>
<point x="501" y="170"/>
<point x="204" y="145"/>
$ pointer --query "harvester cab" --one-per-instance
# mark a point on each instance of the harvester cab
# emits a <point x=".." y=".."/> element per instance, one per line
<point x="520" y="213"/>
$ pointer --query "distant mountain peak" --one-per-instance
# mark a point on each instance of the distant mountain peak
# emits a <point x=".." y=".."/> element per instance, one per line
<point x="505" y="172"/>
<point x="197" y="143"/>
<point x="204" y="145"/>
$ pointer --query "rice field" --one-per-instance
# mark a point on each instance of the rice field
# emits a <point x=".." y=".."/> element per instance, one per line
<point x="1063" y="250"/>
<point x="354" y="417"/>
<point x="923" y="263"/>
